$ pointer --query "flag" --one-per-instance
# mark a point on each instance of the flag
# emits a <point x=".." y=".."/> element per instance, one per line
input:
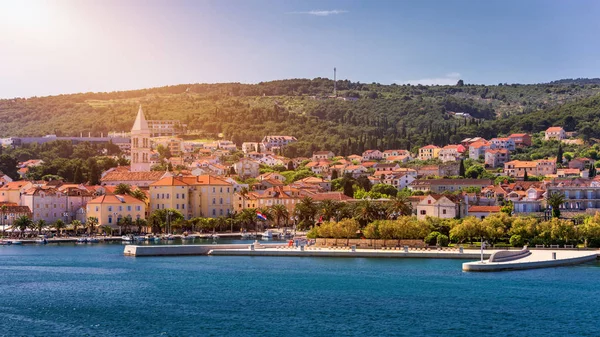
<point x="261" y="216"/>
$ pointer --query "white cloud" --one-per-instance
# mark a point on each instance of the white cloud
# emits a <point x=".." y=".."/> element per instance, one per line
<point x="322" y="12"/>
<point x="448" y="79"/>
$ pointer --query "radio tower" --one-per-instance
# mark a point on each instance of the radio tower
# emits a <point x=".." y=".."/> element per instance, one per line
<point x="334" y="84"/>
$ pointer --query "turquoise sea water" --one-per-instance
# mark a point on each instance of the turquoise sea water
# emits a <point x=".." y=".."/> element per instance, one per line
<point x="93" y="290"/>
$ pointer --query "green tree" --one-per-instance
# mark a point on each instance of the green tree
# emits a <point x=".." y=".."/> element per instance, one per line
<point x="76" y="225"/>
<point x="39" y="226"/>
<point x="279" y="212"/>
<point x="123" y="189"/>
<point x="78" y="176"/>
<point x="22" y="223"/>
<point x="8" y="166"/>
<point x="525" y="176"/>
<point x="91" y="223"/>
<point x="348" y="188"/>
<point x="461" y="169"/>
<point x="399" y="206"/>
<point x="555" y="200"/>
<point x="559" y="155"/>
<point x="138" y="194"/>
<point x="59" y="225"/>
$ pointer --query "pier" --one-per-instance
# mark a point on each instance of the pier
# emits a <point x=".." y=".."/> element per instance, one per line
<point x="532" y="259"/>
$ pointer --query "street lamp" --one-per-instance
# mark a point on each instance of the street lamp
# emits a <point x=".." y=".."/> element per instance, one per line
<point x="117" y="222"/>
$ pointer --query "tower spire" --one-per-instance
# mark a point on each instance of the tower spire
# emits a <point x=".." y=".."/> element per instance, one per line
<point x="140" y="123"/>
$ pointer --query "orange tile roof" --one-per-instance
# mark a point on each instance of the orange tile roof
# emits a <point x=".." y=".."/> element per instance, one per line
<point x="430" y="147"/>
<point x="491" y="209"/>
<point x="114" y="199"/>
<point x="554" y="129"/>
<point x="15" y="185"/>
<point x="118" y="175"/>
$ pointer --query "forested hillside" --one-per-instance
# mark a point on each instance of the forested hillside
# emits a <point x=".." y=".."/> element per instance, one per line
<point x="382" y="116"/>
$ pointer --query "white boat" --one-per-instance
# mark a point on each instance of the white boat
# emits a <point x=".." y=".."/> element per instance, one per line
<point x="267" y="235"/>
<point x="5" y="242"/>
<point x="41" y="241"/>
<point x="168" y="237"/>
<point x="81" y="240"/>
<point x="187" y="237"/>
<point x="17" y="242"/>
<point x="127" y="238"/>
<point x="92" y="240"/>
<point x="139" y="238"/>
<point x="156" y="239"/>
<point x="214" y="236"/>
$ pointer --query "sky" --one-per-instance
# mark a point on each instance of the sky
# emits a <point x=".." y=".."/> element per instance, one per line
<point x="70" y="46"/>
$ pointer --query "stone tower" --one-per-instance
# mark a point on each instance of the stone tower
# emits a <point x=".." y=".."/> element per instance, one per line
<point x="140" y="144"/>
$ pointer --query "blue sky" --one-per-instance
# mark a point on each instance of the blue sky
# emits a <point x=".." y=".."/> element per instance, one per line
<point x="53" y="47"/>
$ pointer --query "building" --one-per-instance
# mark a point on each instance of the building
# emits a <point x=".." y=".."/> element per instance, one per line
<point x="503" y="143"/>
<point x="140" y="144"/>
<point x="47" y="203"/>
<point x="580" y="194"/>
<point x="555" y="133"/>
<point x="443" y="170"/>
<point x="517" y="168"/>
<point x="581" y="163"/>
<point x="372" y="155"/>
<point x="11" y="192"/>
<point x="278" y="141"/>
<point x="193" y="196"/>
<point x="12" y="212"/>
<point x="429" y="152"/>
<point x="395" y="153"/>
<point x="162" y="128"/>
<point x="247" y="168"/>
<point x="477" y="149"/>
<point x="278" y="195"/>
<point x="482" y="211"/>
<point x="253" y="147"/>
<point x="124" y="176"/>
<point x="450" y="185"/>
<point x="451" y="153"/>
<point x="109" y="209"/>
<point x="271" y="175"/>
<point x="521" y="139"/>
<point x="322" y="155"/>
<point x="496" y="158"/>
<point x="441" y="206"/>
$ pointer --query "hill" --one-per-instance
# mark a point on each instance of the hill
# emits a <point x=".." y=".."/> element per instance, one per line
<point x="373" y="116"/>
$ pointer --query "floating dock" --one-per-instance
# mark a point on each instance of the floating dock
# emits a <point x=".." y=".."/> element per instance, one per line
<point x="534" y="259"/>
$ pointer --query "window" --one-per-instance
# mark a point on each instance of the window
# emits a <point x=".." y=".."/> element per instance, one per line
<point x="182" y="195"/>
<point x="221" y="212"/>
<point x="221" y="190"/>
<point x="423" y="212"/>
<point x="182" y="206"/>
<point x="214" y="201"/>
<point x="214" y="190"/>
<point x="109" y="219"/>
<point x="97" y="208"/>
<point x="177" y="206"/>
<point x="177" y="196"/>
<point x="167" y="195"/>
<point x="128" y="208"/>
<point x="138" y="208"/>
<point x="214" y="211"/>
<point x="110" y="208"/>
<point x="221" y="201"/>
<point x="429" y="202"/>
<point x="443" y="211"/>
<point x="120" y="208"/>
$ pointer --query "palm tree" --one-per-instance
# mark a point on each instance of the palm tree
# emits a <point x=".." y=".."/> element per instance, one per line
<point x="123" y="189"/>
<point x="329" y="209"/>
<point x="91" y="223"/>
<point x="247" y="217"/>
<point x="366" y="211"/>
<point x="139" y="223"/>
<point x="59" y="225"/>
<point x="39" y="225"/>
<point x="124" y="224"/>
<point x="555" y="200"/>
<point x="306" y="210"/>
<point x="279" y="212"/>
<point x="76" y="224"/>
<point x="107" y="229"/>
<point x="22" y="223"/>
<point x="399" y="205"/>
<point x="139" y="195"/>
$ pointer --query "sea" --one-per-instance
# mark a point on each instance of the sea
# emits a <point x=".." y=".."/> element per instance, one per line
<point x="93" y="290"/>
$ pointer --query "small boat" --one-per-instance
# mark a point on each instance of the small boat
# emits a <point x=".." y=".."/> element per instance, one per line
<point x="169" y="237"/>
<point x="127" y="238"/>
<point x="267" y="235"/>
<point x="139" y="238"/>
<point x="214" y="236"/>
<point x="41" y="241"/>
<point x="81" y="240"/>
<point x="5" y="242"/>
<point x="92" y="240"/>
<point x="17" y="242"/>
<point x="187" y="237"/>
<point x="156" y="239"/>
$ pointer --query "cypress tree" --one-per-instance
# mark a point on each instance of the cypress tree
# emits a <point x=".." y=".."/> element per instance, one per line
<point x="78" y="176"/>
<point x="525" y="177"/>
<point x="348" y="190"/>
<point x="559" y="155"/>
<point x="290" y="166"/>
<point x="461" y="169"/>
<point x="334" y="174"/>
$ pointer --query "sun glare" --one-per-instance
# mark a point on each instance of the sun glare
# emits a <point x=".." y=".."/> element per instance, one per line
<point x="28" y="15"/>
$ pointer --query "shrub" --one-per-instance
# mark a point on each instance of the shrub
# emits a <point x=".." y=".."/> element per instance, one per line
<point x="517" y="241"/>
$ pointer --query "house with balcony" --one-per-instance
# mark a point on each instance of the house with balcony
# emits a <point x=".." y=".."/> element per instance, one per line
<point x="521" y="139"/>
<point x="496" y="158"/>
<point x="429" y="152"/>
<point x="555" y="133"/>
<point x="503" y="143"/>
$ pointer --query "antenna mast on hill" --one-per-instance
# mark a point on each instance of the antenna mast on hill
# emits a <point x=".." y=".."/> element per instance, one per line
<point x="334" y="83"/>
